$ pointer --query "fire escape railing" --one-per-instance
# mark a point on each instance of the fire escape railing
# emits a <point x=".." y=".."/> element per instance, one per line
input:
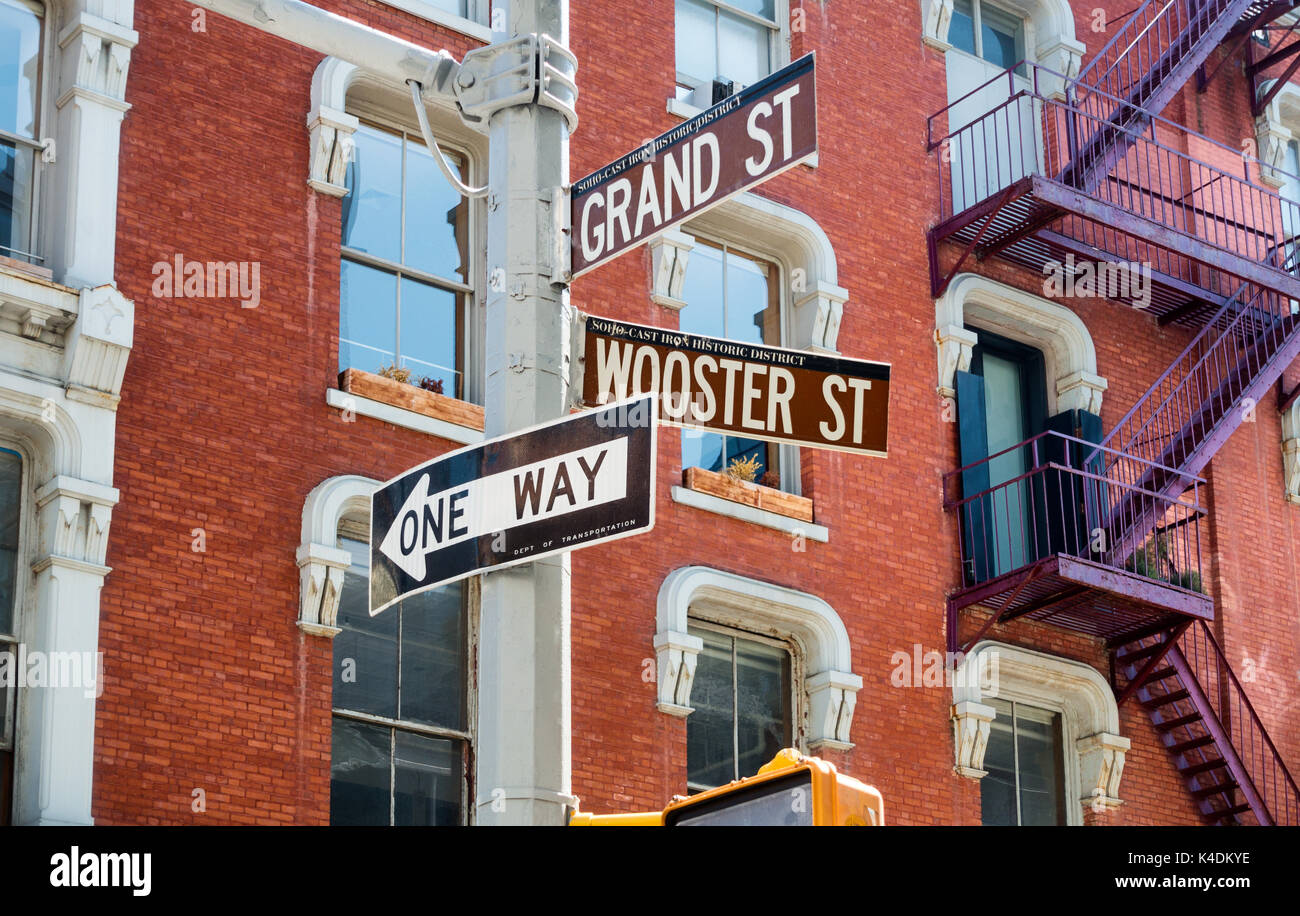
<point x="1056" y="502"/>
<point x="1030" y="133"/>
<point x="1246" y="736"/>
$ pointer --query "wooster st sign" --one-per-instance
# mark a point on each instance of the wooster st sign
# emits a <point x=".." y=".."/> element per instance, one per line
<point x="746" y="139"/>
<point x="574" y="482"/>
<point x="770" y="393"/>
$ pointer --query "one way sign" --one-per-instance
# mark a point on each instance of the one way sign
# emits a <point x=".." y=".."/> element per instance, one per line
<point x="565" y="484"/>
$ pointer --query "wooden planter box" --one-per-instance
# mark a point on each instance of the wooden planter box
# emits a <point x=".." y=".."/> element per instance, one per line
<point x="411" y="397"/>
<point x="724" y="486"/>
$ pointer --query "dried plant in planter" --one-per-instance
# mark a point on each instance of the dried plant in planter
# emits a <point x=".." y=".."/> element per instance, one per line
<point x="431" y="384"/>
<point x="745" y="469"/>
<point x="396" y="374"/>
<point x="771" y="479"/>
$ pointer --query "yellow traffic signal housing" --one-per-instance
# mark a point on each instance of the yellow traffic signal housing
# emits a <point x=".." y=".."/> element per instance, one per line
<point x="790" y="791"/>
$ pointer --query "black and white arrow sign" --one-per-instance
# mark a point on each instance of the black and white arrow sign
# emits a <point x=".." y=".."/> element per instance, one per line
<point x="566" y="484"/>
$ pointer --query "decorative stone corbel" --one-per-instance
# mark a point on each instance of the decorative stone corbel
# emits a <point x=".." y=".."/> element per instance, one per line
<point x="73" y="518"/>
<point x="332" y="146"/>
<point x="1063" y="56"/>
<point x="669" y="254"/>
<point x="817" y="317"/>
<point x="98" y="345"/>
<point x="1291" y="451"/>
<point x="1272" y="138"/>
<point x="675" y="658"/>
<point x="936" y="15"/>
<point x="956" y="345"/>
<point x="1101" y="764"/>
<point x="1080" y="391"/>
<point x="321" y="572"/>
<point x="970" y="731"/>
<point x="331" y="127"/>
<point x="832" y="697"/>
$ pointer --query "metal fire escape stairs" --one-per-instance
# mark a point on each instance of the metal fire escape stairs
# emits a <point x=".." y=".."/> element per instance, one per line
<point x="1104" y="135"/>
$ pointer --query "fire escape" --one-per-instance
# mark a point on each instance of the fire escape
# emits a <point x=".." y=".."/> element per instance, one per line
<point x="1104" y="538"/>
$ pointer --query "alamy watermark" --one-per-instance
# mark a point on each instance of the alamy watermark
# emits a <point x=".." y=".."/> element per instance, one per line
<point x="180" y="278"/>
<point x="33" y="668"/>
<point x="1122" y="280"/>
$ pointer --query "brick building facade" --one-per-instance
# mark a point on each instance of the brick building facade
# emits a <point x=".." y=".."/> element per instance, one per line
<point x="221" y="441"/>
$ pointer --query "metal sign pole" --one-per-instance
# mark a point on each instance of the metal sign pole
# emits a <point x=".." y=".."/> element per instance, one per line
<point x="523" y="758"/>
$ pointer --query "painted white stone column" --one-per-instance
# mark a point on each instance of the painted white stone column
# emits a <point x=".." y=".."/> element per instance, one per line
<point x="94" y="54"/>
<point x="56" y="742"/>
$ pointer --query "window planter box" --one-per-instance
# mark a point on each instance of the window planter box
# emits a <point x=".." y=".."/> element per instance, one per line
<point x="411" y="397"/>
<point x="724" y="486"/>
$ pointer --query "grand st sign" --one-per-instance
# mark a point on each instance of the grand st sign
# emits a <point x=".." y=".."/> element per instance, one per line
<point x="770" y="393"/>
<point x="759" y="132"/>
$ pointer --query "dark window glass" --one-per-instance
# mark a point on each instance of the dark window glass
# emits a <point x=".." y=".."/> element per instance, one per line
<point x="961" y="27"/>
<point x="406" y="672"/>
<point x="1025" y="760"/>
<point x="743" y="715"/>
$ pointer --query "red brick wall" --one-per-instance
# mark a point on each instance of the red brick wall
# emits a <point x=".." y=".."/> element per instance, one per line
<point x="223" y="425"/>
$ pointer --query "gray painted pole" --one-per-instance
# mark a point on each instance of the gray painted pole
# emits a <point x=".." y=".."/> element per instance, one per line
<point x="523" y="753"/>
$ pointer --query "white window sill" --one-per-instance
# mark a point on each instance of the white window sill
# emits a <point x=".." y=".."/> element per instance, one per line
<point x="441" y="17"/>
<point x="685" y="110"/>
<point x="709" y="503"/>
<point x="407" y="419"/>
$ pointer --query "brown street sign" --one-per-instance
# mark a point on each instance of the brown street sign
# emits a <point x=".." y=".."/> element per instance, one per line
<point x="779" y="395"/>
<point x="746" y="139"/>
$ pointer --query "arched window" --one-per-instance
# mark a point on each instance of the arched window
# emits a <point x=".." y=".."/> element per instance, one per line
<point x="401" y="704"/>
<point x="1040" y="732"/>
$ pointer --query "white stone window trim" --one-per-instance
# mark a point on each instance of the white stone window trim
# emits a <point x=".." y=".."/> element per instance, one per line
<point x="439" y="16"/>
<point x="813" y="304"/>
<point x="1094" y="749"/>
<point x="829" y="685"/>
<point x="1050" y="38"/>
<point x="1069" y="355"/>
<point x="321" y="561"/>
<point x="1274" y="129"/>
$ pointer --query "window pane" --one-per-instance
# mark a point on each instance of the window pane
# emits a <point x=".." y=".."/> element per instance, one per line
<point x="998" y="788"/>
<point x="365" y="652"/>
<point x="748" y="316"/>
<point x="10" y="500"/>
<point x="702" y="292"/>
<point x="762" y="703"/>
<point x="433" y="658"/>
<point x="1042" y="782"/>
<point x="710" y="757"/>
<point x="17" y="165"/>
<point x="744" y="49"/>
<point x="764" y="8"/>
<point x="961" y="28"/>
<point x="372" y="210"/>
<point x="701" y="450"/>
<point x="696" y="39"/>
<point x="20" y="42"/>
<point x="1002" y="37"/>
<point x="436" y="216"/>
<point x="367" y="318"/>
<point x="428" y="344"/>
<point x="426" y="781"/>
<point x="359" y="774"/>
<point x="747" y="449"/>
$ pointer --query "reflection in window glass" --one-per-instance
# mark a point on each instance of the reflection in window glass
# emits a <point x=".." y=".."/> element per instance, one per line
<point x="731" y="295"/>
<point x="400" y="682"/>
<point x="20" y="74"/>
<point x="405" y="262"/>
<point x="716" y="41"/>
<point x="10" y="503"/>
<point x="1025" y="760"/>
<point x="742" y="703"/>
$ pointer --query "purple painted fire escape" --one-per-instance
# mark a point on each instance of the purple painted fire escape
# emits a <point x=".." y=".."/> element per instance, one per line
<point x="1104" y="538"/>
